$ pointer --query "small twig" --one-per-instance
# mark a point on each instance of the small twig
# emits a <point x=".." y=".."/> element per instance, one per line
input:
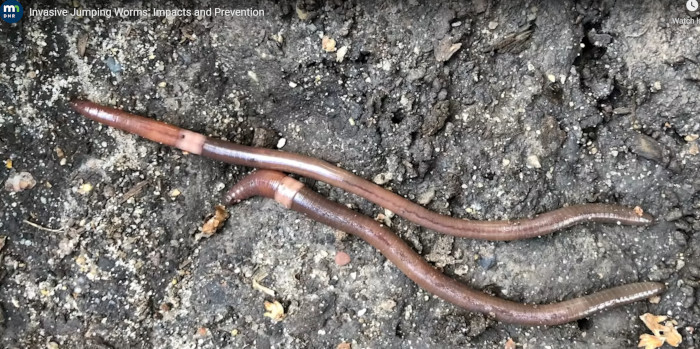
<point x="43" y="228"/>
<point x="135" y="190"/>
<point x="259" y="276"/>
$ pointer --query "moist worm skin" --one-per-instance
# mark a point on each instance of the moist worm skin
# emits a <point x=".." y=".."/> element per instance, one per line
<point x="320" y="170"/>
<point x="304" y="200"/>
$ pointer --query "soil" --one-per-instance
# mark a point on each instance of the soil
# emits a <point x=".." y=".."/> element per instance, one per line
<point x="545" y="104"/>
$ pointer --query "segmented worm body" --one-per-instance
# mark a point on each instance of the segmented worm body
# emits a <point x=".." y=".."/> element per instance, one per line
<point x="294" y="195"/>
<point x="320" y="170"/>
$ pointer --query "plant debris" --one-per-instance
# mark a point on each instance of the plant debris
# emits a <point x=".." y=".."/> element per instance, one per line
<point x="274" y="310"/>
<point x="135" y="190"/>
<point x="648" y="341"/>
<point x="665" y="333"/>
<point x="259" y="276"/>
<point x="514" y="42"/>
<point x="215" y="221"/>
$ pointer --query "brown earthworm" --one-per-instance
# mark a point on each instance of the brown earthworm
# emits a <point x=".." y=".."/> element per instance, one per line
<point x="294" y="195"/>
<point x="320" y="170"/>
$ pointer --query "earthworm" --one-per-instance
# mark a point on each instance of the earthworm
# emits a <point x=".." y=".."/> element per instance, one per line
<point x="323" y="171"/>
<point x="294" y="195"/>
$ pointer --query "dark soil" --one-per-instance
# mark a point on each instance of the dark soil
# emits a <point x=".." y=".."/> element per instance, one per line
<point x="546" y="104"/>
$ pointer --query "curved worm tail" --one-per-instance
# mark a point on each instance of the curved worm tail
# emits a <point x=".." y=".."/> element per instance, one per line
<point x="293" y="195"/>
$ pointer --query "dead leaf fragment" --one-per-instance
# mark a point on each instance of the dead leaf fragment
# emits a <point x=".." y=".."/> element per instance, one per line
<point x="274" y="310"/>
<point x="445" y="49"/>
<point x="510" y="344"/>
<point x="648" y="341"/>
<point x="665" y="332"/>
<point x="638" y="211"/>
<point x="328" y="44"/>
<point x="344" y="345"/>
<point x="215" y="222"/>
<point x="20" y="181"/>
<point x="8" y="164"/>
<point x="3" y="238"/>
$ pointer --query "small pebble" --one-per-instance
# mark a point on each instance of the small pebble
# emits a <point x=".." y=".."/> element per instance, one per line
<point x="425" y="197"/>
<point x="487" y="262"/>
<point x="694" y="149"/>
<point x="533" y="161"/>
<point x="691" y="137"/>
<point x="253" y="76"/>
<point x="340" y="55"/>
<point x="646" y="147"/>
<point x="340" y="235"/>
<point x="444" y="51"/>
<point x="20" y="181"/>
<point x="342" y="258"/>
<point x="281" y="143"/>
<point x="388" y="305"/>
<point x="493" y="25"/>
<point x="328" y="44"/>
<point x="85" y="188"/>
<point x="113" y="65"/>
<point x="382" y="178"/>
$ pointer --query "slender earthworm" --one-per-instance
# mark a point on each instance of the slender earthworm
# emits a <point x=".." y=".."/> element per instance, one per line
<point x="294" y="195"/>
<point x="320" y="170"/>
